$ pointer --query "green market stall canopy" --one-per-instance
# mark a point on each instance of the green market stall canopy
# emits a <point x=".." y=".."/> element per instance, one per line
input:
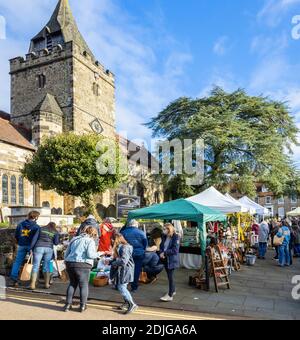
<point x="181" y="210"/>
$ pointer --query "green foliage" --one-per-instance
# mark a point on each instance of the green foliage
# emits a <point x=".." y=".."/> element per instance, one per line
<point x="4" y="225"/>
<point x="67" y="163"/>
<point x="247" y="139"/>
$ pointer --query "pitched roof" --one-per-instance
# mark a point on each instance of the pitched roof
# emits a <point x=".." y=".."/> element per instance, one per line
<point x="62" y="20"/>
<point x="15" y="135"/>
<point x="49" y="104"/>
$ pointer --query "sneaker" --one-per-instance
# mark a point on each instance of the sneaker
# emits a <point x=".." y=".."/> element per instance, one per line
<point x="167" y="298"/>
<point x="13" y="283"/>
<point x="124" y="307"/>
<point x="131" y="309"/>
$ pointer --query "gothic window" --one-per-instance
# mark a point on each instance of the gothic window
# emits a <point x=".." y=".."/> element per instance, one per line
<point x="49" y="43"/>
<point x="13" y="190"/>
<point x="157" y="197"/>
<point x="96" y="89"/>
<point x="21" y="191"/>
<point x="41" y="80"/>
<point x="46" y="204"/>
<point x="5" y="189"/>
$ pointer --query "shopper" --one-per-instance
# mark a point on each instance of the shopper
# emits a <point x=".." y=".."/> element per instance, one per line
<point x="138" y="240"/>
<point x="122" y="271"/>
<point x="263" y="237"/>
<point x="42" y="248"/>
<point x="90" y="221"/>
<point x="24" y="235"/>
<point x="151" y="264"/>
<point x="79" y="259"/>
<point x="284" y="251"/>
<point x="277" y="226"/>
<point x="107" y="232"/>
<point x="296" y="232"/>
<point x="169" y="254"/>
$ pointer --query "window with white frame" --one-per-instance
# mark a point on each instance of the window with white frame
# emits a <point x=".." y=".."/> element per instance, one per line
<point x="281" y="200"/>
<point x="268" y="200"/>
<point x="294" y="199"/>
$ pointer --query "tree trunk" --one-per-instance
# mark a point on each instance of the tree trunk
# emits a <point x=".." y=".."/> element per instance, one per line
<point x="90" y="206"/>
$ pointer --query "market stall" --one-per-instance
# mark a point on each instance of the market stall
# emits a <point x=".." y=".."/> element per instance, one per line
<point x="294" y="213"/>
<point x="260" y="210"/>
<point x="182" y="210"/>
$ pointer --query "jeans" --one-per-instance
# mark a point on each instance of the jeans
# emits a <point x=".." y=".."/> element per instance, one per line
<point x="284" y="255"/>
<point x="263" y="249"/>
<point x="152" y="265"/>
<point x="138" y="262"/>
<point x="39" y="254"/>
<point x="172" y="288"/>
<point x="21" y="255"/>
<point x="122" y="288"/>
<point x="297" y="249"/>
<point x="79" y="275"/>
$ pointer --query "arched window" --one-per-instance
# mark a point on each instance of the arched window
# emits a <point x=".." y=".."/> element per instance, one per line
<point x="5" y="189"/>
<point x="13" y="190"/>
<point x="41" y="81"/>
<point x="157" y="197"/>
<point x="21" y="191"/>
<point x="46" y="204"/>
<point x="96" y="89"/>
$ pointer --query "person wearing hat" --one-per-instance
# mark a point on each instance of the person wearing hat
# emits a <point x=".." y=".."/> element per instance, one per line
<point x="138" y="240"/>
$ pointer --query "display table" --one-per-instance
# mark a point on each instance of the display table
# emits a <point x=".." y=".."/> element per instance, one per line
<point x="190" y="258"/>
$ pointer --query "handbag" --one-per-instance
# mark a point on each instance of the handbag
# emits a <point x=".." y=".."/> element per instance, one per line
<point x="278" y="241"/>
<point x="27" y="270"/>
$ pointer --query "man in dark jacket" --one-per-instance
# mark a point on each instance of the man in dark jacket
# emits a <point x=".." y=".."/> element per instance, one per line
<point x="138" y="240"/>
<point x="90" y="222"/>
<point x="24" y="235"/>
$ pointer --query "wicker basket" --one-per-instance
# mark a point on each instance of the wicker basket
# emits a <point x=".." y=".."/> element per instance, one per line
<point x="101" y="281"/>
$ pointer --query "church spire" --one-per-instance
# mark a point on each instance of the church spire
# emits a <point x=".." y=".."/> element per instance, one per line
<point x="61" y="28"/>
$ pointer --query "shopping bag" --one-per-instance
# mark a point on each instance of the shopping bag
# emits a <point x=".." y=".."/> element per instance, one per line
<point x="278" y="241"/>
<point x="143" y="277"/>
<point x="27" y="270"/>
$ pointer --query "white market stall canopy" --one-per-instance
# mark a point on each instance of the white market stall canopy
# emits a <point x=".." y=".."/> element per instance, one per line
<point x="260" y="210"/>
<point x="294" y="213"/>
<point x="245" y="209"/>
<point x="213" y="199"/>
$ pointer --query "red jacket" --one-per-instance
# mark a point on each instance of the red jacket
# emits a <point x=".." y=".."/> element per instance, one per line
<point x="107" y="233"/>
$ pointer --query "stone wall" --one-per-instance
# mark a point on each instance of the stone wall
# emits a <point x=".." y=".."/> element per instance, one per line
<point x="57" y="67"/>
<point x="12" y="159"/>
<point x="94" y="95"/>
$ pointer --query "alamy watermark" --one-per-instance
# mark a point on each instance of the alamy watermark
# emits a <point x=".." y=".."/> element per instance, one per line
<point x="296" y="289"/>
<point x="174" y="157"/>
<point x="2" y="28"/>
<point x="296" y="27"/>
<point x="2" y="288"/>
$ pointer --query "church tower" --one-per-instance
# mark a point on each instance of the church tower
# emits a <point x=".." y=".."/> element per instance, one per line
<point x="60" y="73"/>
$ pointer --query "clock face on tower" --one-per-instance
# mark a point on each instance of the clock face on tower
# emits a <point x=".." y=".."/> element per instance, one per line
<point x="96" y="126"/>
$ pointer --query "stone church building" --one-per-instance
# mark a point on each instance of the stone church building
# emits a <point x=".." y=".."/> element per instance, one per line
<point x="58" y="87"/>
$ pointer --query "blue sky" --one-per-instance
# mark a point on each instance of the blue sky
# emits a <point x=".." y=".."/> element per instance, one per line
<point x="163" y="49"/>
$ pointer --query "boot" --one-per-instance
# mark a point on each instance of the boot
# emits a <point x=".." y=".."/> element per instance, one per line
<point x="67" y="307"/>
<point x="82" y="308"/>
<point x="34" y="277"/>
<point x="47" y="280"/>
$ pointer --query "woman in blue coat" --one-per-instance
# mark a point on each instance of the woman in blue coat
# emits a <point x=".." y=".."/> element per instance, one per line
<point x="169" y="255"/>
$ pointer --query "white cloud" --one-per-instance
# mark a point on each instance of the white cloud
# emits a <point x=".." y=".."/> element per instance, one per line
<point x="273" y="11"/>
<point x="221" y="46"/>
<point x="146" y="82"/>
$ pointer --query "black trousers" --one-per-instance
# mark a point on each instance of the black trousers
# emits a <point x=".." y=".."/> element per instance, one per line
<point x="172" y="286"/>
<point x="79" y="274"/>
